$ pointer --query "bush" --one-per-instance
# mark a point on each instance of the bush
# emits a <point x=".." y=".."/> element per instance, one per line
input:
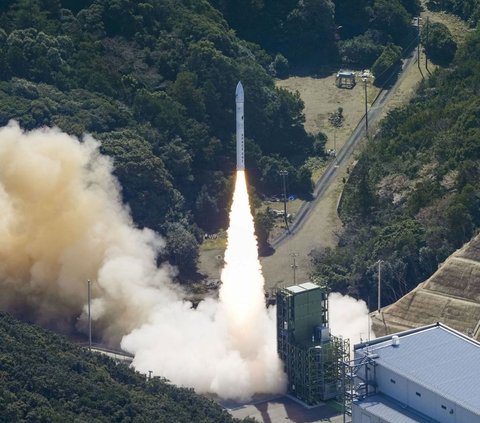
<point x="279" y="67"/>
<point x="319" y="144"/>
<point x="361" y="51"/>
<point x="439" y="43"/>
<point x="388" y="62"/>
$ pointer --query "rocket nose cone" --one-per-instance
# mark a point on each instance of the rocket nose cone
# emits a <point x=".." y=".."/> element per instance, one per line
<point x="239" y="96"/>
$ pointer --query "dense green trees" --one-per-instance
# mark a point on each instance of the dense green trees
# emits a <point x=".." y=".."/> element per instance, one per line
<point x="321" y="32"/>
<point x="362" y="50"/>
<point x="45" y="378"/>
<point x="155" y="82"/>
<point x="414" y="196"/>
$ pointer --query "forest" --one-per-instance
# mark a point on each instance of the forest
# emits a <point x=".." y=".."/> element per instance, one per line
<point x="414" y="197"/>
<point x="46" y="379"/>
<point x="154" y="82"/>
<point x="323" y="32"/>
<point x="469" y="10"/>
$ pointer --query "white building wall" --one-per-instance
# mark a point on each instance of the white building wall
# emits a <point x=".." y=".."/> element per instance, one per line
<point x="392" y="384"/>
<point x="445" y="411"/>
<point x="421" y="399"/>
<point x="437" y="407"/>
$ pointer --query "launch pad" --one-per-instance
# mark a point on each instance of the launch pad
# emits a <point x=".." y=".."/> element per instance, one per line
<point x="283" y="409"/>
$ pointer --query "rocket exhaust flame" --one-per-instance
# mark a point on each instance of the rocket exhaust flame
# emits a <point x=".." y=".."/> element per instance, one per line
<point x="226" y="347"/>
<point x="242" y="297"/>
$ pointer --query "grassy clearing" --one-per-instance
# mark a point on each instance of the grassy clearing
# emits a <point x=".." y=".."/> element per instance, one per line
<point x="317" y="166"/>
<point x="215" y="241"/>
<point x="292" y="206"/>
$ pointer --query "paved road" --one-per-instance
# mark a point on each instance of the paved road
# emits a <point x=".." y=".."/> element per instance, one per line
<point x="343" y="156"/>
<point x="317" y="224"/>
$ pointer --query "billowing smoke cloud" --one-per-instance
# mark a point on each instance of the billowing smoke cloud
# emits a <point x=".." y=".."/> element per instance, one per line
<point x="63" y="223"/>
<point x="227" y="347"/>
<point x="348" y="317"/>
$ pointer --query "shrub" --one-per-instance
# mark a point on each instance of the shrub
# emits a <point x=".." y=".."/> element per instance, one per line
<point x="361" y="51"/>
<point x="388" y="62"/>
<point x="279" y="67"/>
<point x="439" y="43"/>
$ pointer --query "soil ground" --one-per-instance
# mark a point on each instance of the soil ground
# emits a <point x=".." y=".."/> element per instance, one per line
<point x="322" y="97"/>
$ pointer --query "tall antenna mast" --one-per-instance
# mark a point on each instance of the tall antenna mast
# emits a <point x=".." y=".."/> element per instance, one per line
<point x="284" y="174"/>
<point x="294" y="267"/>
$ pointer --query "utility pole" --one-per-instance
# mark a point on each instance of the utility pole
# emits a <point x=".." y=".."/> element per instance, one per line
<point x="426" y="44"/>
<point x="335" y="145"/>
<point x="418" y="19"/>
<point x="89" y="320"/>
<point x="284" y="174"/>
<point x="379" y="285"/>
<point x="365" y="80"/>
<point x="294" y="267"/>
<point x="368" y="323"/>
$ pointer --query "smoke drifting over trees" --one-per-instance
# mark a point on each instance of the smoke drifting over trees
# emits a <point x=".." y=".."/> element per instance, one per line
<point x="64" y="223"/>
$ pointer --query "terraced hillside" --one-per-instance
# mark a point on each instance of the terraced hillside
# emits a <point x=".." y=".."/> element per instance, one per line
<point x="451" y="295"/>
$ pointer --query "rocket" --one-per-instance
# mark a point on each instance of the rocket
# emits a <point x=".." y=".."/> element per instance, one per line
<point x="239" y="101"/>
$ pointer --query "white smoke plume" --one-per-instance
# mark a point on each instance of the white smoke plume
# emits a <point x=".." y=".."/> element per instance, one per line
<point x="63" y="223"/>
<point x="349" y="318"/>
<point x="226" y="347"/>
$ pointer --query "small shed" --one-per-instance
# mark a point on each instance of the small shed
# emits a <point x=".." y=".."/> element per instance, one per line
<point x="345" y="79"/>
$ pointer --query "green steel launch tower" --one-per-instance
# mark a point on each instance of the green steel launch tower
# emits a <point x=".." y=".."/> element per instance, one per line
<point x="312" y="357"/>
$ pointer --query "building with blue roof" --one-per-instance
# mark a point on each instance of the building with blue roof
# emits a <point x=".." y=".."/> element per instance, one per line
<point x="426" y="375"/>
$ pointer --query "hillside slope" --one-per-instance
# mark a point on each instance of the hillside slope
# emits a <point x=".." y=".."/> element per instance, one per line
<point x="451" y="296"/>
<point x="45" y="378"/>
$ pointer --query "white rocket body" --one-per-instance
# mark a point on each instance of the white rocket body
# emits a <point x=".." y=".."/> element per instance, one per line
<point x="239" y="101"/>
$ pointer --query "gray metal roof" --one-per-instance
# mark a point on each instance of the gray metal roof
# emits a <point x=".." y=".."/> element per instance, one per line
<point x="437" y="358"/>
<point x="295" y="289"/>
<point x="307" y="286"/>
<point x="390" y="411"/>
